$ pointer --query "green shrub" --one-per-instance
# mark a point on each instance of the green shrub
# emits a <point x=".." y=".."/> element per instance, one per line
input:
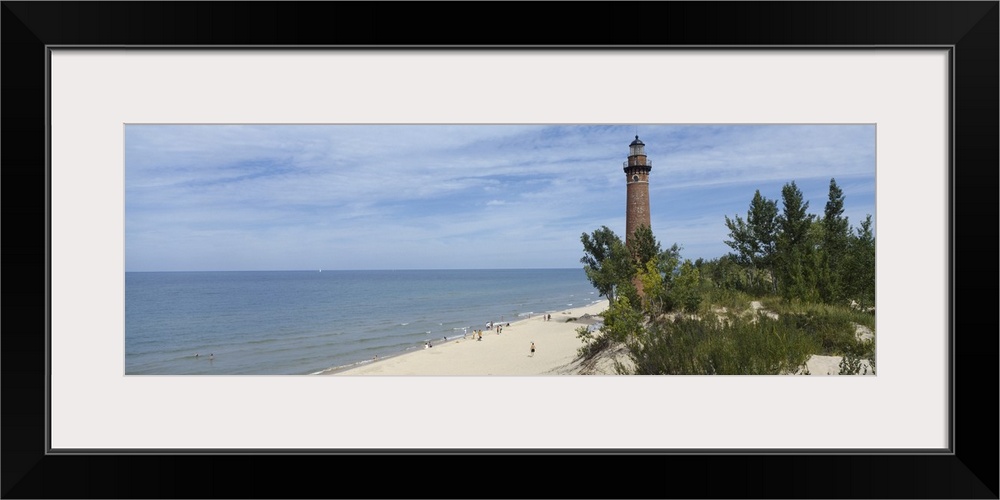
<point x="832" y="327"/>
<point x="833" y="336"/>
<point x="592" y="344"/>
<point x="860" y="351"/>
<point x="668" y="348"/>
<point x="708" y="347"/>
<point x="732" y="343"/>
<point x="732" y="300"/>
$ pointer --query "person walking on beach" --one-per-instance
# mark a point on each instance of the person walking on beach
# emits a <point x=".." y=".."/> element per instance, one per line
<point x="532" y="349"/>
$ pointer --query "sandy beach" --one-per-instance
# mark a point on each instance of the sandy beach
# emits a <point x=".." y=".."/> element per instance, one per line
<point x="508" y="353"/>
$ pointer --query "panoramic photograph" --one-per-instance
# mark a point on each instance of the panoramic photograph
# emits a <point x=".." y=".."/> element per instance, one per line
<point x="499" y="250"/>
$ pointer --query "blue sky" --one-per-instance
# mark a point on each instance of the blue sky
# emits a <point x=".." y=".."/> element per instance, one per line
<point x="290" y="197"/>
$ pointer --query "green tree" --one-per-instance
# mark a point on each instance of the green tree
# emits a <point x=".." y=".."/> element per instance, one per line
<point x="686" y="291"/>
<point x="860" y="266"/>
<point x="755" y="239"/>
<point x="742" y="242"/>
<point x="606" y="261"/>
<point x="794" y="249"/>
<point x="665" y="267"/>
<point x="621" y="321"/>
<point x="836" y="235"/>
<point x="763" y="221"/>
<point x="654" y="287"/>
<point x="643" y="247"/>
<point x="667" y="262"/>
<point x="723" y="272"/>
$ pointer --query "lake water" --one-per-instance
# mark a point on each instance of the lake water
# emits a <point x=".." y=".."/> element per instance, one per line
<point x="302" y="322"/>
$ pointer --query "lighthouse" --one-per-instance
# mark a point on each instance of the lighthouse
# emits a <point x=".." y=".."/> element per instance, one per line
<point x="637" y="169"/>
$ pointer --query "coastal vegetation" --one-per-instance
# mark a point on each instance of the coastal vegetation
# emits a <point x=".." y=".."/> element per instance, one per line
<point x="794" y="285"/>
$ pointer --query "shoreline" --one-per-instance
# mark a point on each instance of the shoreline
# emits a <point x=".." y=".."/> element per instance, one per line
<point x="505" y="354"/>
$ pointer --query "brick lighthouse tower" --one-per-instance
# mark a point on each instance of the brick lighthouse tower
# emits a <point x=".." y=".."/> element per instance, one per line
<point x="637" y="169"/>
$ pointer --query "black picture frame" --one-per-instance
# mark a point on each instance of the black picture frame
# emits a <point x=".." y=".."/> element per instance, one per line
<point x="969" y="28"/>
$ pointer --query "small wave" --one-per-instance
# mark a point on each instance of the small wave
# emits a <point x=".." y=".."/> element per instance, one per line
<point x="403" y="324"/>
<point x="569" y="305"/>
